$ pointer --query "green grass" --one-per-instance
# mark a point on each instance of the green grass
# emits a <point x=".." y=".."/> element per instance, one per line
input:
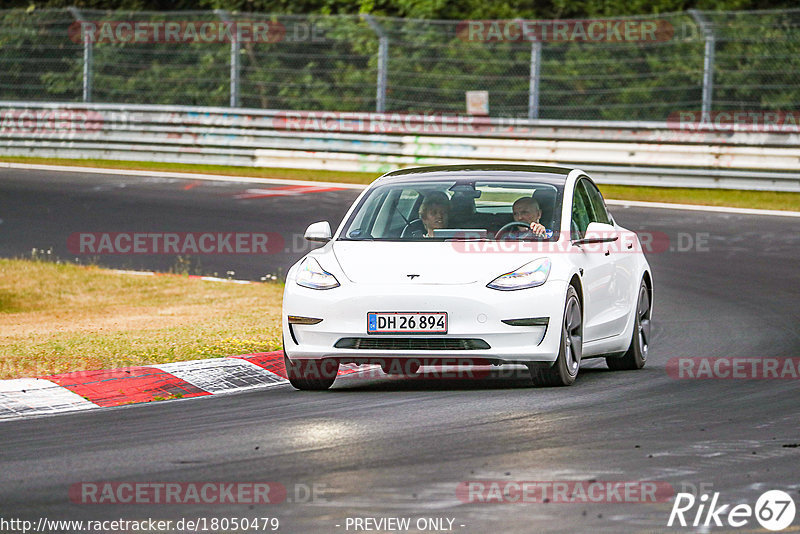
<point x="57" y="318"/>
<point x="767" y="200"/>
<point x="227" y="170"/>
<point x="709" y="197"/>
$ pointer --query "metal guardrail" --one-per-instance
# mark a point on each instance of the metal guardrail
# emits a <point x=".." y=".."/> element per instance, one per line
<point x="636" y="153"/>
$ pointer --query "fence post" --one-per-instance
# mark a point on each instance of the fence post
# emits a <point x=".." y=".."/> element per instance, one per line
<point x="383" y="62"/>
<point x="535" y="68"/>
<point x="235" y="48"/>
<point x="533" y="85"/>
<point x="88" y="57"/>
<point x="708" y="62"/>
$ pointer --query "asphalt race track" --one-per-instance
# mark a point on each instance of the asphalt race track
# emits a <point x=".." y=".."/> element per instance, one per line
<point x="41" y="210"/>
<point x="381" y="447"/>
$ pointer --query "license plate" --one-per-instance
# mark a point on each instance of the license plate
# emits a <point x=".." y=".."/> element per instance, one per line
<point x="406" y="322"/>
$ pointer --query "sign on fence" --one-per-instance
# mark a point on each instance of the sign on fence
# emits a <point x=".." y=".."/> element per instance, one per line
<point x="478" y="102"/>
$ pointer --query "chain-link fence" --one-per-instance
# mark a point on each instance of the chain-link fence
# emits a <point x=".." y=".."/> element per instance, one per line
<point x="637" y="68"/>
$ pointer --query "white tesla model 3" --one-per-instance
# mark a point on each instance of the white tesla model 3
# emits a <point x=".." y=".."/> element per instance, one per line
<point x="457" y="279"/>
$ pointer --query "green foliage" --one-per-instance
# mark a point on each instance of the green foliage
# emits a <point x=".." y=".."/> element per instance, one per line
<point x="327" y="62"/>
<point x="423" y="9"/>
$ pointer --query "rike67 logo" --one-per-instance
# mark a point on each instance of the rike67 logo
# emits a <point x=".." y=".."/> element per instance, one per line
<point x="774" y="510"/>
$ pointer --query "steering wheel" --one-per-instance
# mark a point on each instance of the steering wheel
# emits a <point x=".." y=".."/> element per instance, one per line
<point x="414" y="228"/>
<point x="508" y="226"/>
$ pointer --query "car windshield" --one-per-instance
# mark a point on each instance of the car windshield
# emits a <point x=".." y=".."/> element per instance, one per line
<point x="456" y="209"/>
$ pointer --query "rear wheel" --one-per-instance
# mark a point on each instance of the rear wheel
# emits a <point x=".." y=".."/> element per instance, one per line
<point x="636" y="356"/>
<point x="565" y="369"/>
<point x="311" y="375"/>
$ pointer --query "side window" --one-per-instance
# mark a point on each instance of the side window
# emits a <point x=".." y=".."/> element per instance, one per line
<point x="403" y="210"/>
<point x="408" y="200"/>
<point x="581" y="214"/>
<point x="362" y="224"/>
<point x="382" y="226"/>
<point x="599" y="212"/>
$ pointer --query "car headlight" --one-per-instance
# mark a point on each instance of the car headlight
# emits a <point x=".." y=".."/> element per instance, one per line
<point x="312" y="276"/>
<point x="531" y="274"/>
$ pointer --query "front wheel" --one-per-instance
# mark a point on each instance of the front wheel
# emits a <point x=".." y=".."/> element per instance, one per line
<point x="311" y="375"/>
<point x="565" y="369"/>
<point x="636" y="356"/>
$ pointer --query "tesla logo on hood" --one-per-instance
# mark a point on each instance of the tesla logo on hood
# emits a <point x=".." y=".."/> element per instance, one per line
<point x="412" y="276"/>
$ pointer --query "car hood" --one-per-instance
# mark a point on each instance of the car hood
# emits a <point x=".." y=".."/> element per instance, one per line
<point x="448" y="262"/>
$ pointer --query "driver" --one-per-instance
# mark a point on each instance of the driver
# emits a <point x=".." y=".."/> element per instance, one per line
<point x="527" y="210"/>
<point x="434" y="212"/>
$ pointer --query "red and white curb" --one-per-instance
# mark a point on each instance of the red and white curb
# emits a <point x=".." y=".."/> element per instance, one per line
<point x="85" y="390"/>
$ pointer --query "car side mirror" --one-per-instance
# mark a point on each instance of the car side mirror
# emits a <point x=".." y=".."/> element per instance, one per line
<point x="598" y="233"/>
<point x="319" y="231"/>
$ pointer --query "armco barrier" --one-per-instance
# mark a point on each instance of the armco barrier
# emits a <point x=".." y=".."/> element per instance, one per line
<point x="615" y="152"/>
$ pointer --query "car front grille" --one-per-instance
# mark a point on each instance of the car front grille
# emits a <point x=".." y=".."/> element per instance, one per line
<point x="411" y="343"/>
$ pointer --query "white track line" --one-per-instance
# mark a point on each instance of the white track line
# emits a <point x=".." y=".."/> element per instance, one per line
<point x="250" y="179"/>
<point x="190" y="277"/>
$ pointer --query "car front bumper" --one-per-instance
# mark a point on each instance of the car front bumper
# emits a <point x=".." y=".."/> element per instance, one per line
<point x="474" y="312"/>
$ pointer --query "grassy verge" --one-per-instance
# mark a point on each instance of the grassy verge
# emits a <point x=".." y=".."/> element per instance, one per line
<point x="765" y="200"/>
<point x="57" y="318"/>
<point x="709" y="197"/>
<point x="227" y="170"/>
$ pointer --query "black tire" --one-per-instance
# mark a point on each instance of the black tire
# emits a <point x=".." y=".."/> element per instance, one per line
<point x="565" y="369"/>
<point x="311" y="375"/>
<point x="636" y="356"/>
<point x="400" y="367"/>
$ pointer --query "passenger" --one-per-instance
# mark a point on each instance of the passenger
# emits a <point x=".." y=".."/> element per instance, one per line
<point x="434" y="212"/>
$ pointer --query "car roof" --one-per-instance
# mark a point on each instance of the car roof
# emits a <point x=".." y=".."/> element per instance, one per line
<point x="554" y="175"/>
